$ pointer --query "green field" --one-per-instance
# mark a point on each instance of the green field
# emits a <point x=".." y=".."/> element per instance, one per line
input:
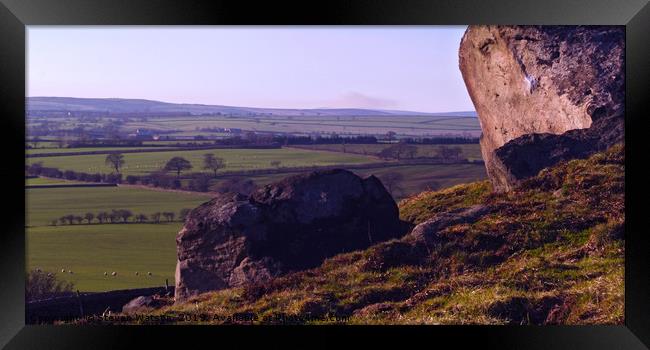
<point x="47" y="181"/>
<point x="470" y="151"/>
<point x="47" y="204"/>
<point x="90" y="250"/>
<point x="235" y="159"/>
<point x="412" y="125"/>
<point x="177" y="142"/>
<point x="416" y="178"/>
<point x="83" y="149"/>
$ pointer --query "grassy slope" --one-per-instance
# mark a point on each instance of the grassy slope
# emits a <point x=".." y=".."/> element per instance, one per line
<point x="235" y="159"/>
<point x="550" y="252"/>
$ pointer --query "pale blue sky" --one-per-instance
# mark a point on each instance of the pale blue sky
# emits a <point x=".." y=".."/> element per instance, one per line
<point x="409" y="68"/>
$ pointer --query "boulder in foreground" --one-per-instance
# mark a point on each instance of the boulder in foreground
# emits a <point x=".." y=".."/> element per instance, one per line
<point x="291" y="225"/>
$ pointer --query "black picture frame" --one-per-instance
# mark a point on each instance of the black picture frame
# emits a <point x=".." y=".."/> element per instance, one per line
<point x="16" y="14"/>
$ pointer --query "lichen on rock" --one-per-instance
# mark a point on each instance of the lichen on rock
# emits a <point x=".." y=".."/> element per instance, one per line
<point x="543" y="94"/>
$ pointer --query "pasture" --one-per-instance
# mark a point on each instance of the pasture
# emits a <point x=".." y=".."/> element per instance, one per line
<point x="90" y="250"/>
<point x="83" y="149"/>
<point x="415" y="178"/>
<point x="410" y="125"/>
<point x="46" y="204"/>
<point x="46" y="181"/>
<point x="235" y="159"/>
<point x="469" y="151"/>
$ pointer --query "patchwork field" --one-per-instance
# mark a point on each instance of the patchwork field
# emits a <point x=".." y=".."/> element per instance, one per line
<point x="89" y="250"/>
<point x="469" y="151"/>
<point x="235" y="159"/>
<point x="401" y="124"/>
<point x="82" y="149"/>
<point x="415" y="178"/>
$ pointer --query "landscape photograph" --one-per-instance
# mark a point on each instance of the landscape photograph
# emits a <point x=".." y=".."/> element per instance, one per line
<point x="366" y="175"/>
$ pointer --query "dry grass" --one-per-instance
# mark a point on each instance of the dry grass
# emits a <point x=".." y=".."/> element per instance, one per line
<point x="551" y="252"/>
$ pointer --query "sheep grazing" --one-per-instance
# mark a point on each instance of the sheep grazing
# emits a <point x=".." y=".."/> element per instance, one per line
<point x="149" y="273"/>
<point x="70" y="272"/>
<point x="63" y="270"/>
<point x="136" y="273"/>
<point x="105" y="273"/>
<point x="113" y="273"/>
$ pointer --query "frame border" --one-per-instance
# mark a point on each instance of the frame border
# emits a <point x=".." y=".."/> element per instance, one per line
<point x="15" y="15"/>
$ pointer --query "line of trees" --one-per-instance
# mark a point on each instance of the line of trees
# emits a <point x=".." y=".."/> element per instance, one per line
<point x="37" y="169"/>
<point x="199" y="182"/>
<point x="408" y="151"/>
<point x="176" y="164"/>
<point x="115" y="216"/>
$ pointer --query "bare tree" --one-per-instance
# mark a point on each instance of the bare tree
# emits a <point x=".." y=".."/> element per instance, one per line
<point x="125" y="214"/>
<point x="102" y="216"/>
<point x="114" y="216"/>
<point x="169" y="215"/>
<point x="155" y="217"/>
<point x="89" y="217"/>
<point x="141" y="218"/>
<point x="115" y="161"/>
<point x="392" y="182"/>
<point x="210" y="162"/>
<point x="449" y="153"/>
<point x="409" y="151"/>
<point x="70" y="218"/>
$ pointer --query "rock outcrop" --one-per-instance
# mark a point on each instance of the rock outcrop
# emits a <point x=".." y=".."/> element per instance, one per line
<point x="142" y="304"/>
<point x="291" y="225"/>
<point x="543" y="94"/>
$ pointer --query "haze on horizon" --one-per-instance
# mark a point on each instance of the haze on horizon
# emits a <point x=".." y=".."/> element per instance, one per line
<point x="412" y="68"/>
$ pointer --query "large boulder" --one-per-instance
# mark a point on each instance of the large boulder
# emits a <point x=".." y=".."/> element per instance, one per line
<point x="543" y="94"/>
<point x="294" y="224"/>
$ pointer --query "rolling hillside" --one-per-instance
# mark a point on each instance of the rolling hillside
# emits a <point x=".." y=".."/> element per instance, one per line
<point x="550" y="252"/>
<point x="123" y="106"/>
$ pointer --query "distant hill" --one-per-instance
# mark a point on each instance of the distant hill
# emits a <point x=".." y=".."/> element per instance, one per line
<point x="135" y="106"/>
